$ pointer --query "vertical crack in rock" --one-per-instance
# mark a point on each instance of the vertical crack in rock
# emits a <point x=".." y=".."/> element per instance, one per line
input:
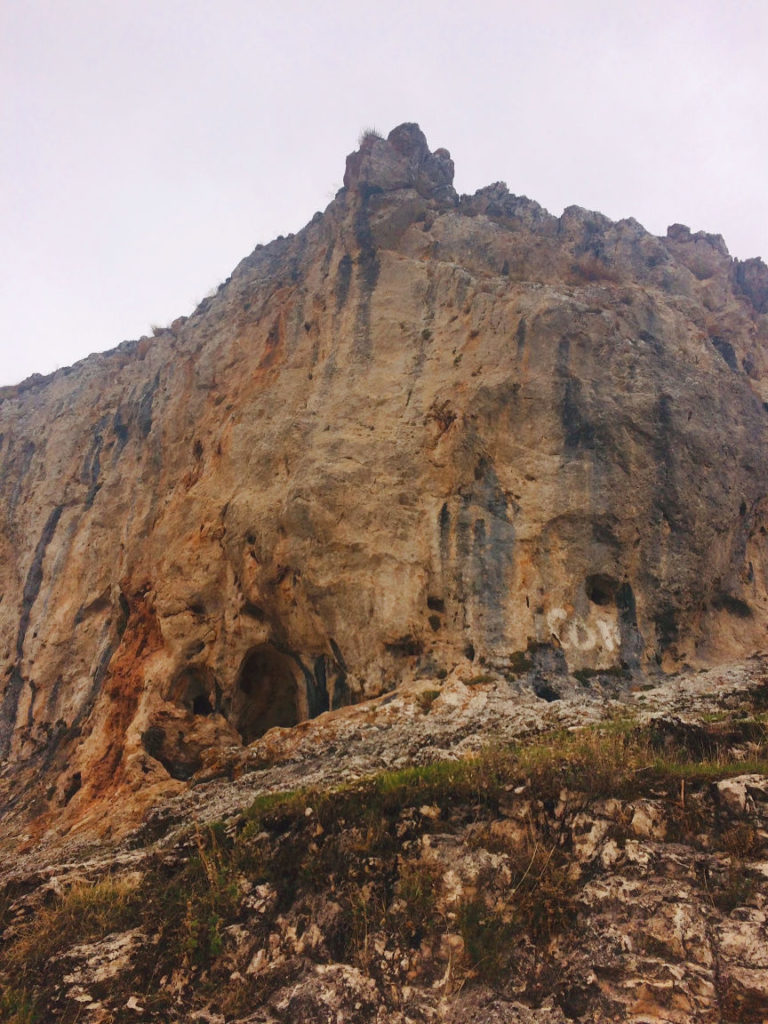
<point x="343" y="281"/>
<point x="144" y="408"/>
<point x="17" y="472"/>
<point x="493" y="551"/>
<point x="480" y="562"/>
<point x="367" y="276"/>
<point x="578" y="431"/>
<point x="92" y="464"/>
<point x="35" y="577"/>
<point x="31" y="590"/>
<point x="632" y="643"/>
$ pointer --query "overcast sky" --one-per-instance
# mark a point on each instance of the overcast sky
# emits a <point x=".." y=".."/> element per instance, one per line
<point x="146" y="146"/>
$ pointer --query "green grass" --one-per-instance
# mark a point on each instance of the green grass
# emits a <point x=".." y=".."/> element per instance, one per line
<point x="520" y="663"/>
<point x="426" y="698"/>
<point x="615" y="758"/>
<point x="266" y="802"/>
<point x="357" y="847"/>
<point x="201" y="901"/>
<point x="488" y="938"/>
<point x="17" y="1006"/>
<point x="481" y="679"/>
<point x="84" y="912"/>
<point x="584" y="675"/>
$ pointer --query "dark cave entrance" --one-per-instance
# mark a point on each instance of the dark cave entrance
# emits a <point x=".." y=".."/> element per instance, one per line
<point x="266" y="693"/>
<point x="197" y="689"/>
<point x="601" y="590"/>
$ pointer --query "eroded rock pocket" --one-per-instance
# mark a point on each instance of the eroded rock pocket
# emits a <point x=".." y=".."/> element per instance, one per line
<point x="267" y="693"/>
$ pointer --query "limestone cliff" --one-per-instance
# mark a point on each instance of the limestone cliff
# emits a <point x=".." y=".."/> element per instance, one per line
<point x="427" y="429"/>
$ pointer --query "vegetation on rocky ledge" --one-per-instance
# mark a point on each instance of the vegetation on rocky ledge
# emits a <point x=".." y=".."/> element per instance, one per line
<point x="452" y="874"/>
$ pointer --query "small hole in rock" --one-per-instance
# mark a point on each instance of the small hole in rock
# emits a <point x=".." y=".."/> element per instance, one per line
<point x="600" y="590"/>
<point x="197" y="688"/>
<point x="201" y="705"/>
<point x="73" y="786"/>
<point x="545" y="691"/>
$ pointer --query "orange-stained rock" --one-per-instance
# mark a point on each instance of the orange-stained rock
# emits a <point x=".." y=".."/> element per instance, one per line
<point x="426" y="429"/>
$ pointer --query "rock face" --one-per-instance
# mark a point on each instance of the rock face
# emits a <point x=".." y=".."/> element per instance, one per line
<point x="426" y="430"/>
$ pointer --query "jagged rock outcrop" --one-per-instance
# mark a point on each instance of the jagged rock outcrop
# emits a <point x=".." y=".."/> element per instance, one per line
<point x="428" y="429"/>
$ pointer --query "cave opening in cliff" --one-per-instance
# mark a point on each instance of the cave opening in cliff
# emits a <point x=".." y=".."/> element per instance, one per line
<point x="266" y="693"/>
<point x="197" y="689"/>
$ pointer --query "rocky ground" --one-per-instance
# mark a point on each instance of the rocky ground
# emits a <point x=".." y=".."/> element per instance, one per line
<point x="458" y="850"/>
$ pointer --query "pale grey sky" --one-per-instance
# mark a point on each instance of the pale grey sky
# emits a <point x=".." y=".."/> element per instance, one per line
<point x="146" y="146"/>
